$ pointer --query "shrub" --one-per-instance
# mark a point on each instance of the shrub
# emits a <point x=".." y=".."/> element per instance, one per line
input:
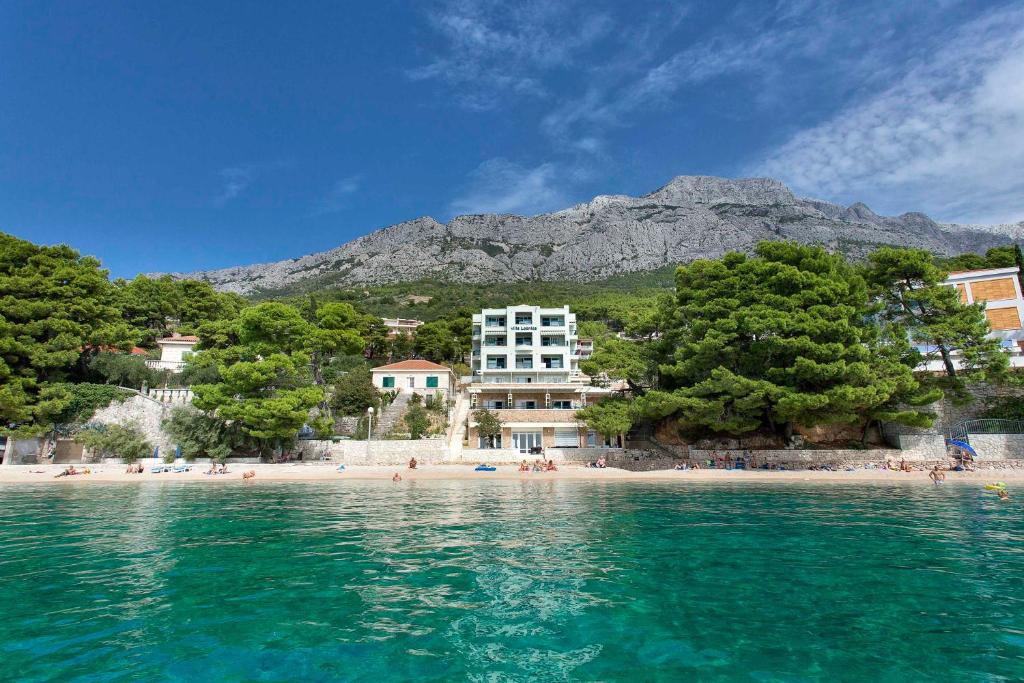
<point x="417" y="421"/>
<point x="121" y="441"/>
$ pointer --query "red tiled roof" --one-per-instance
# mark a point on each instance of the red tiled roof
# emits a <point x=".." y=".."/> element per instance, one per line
<point x="178" y="338"/>
<point x="413" y="365"/>
<point x="139" y="351"/>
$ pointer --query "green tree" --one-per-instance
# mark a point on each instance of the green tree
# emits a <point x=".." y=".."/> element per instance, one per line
<point x="609" y="418"/>
<point x="124" y="369"/>
<point x="770" y="342"/>
<point x="56" y="308"/>
<point x="416" y="421"/>
<point x="270" y="398"/>
<point x="909" y="285"/>
<point x="354" y="392"/>
<point x="401" y="347"/>
<point x="488" y="425"/>
<point x="116" y="441"/>
<point x="201" y="435"/>
<point x="437" y="342"/>
<point x="624" y="359"/>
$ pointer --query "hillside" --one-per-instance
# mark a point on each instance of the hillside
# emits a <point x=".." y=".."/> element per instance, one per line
<point x="691" y="217"/>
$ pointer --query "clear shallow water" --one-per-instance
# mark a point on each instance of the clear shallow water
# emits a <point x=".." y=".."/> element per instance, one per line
<point x="371" y="581"/>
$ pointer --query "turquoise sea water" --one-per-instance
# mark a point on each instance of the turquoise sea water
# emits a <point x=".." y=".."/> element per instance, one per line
<point x="372" y="581"/>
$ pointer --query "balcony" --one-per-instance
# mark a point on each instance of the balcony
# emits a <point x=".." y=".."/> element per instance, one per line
<point x="537" y="415"/>
<point x="173" y="366"/>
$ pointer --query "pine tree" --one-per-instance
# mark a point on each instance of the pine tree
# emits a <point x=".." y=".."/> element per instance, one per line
<point x="770" y="342"/>
<point x="909" y="285"/>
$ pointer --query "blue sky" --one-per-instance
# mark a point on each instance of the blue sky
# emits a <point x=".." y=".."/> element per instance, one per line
<point x="186" y="135"/>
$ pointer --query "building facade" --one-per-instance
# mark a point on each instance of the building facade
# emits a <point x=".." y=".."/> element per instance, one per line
<point x="397" y="326"/>
<point x="421" y="377"/>
<point x="525" y="362"/>
<point x="1000" y="291"/>
<point x="173" y="352"/>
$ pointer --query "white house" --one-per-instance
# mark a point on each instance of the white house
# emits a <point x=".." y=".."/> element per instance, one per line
<point x="416" y="376"/>
<point x="1000" y="292"/>
<point x="173" y="351"/>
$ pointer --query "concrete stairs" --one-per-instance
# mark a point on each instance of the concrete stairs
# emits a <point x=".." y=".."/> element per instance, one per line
<point x="392" y="415"/>
<point x="457" y="423"/>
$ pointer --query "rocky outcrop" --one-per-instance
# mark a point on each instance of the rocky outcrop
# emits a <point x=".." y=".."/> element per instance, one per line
<point x="691" y="217"/>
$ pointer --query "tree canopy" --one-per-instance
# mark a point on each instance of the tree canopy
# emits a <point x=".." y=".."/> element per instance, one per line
<point x="772" y="341"/>
<point x="55" y="306"/>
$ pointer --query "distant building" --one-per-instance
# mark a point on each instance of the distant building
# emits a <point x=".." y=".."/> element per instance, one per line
<point x="525" y="362"/>
<point x="398" y="326"/>
<point x="421" y="377"/>
<point x="585" y="348"/>
<point x="999" y="289"/>
<point x="173" y="352"/>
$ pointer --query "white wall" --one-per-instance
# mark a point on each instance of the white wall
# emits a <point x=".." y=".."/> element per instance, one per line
<point x="419" y="378"/>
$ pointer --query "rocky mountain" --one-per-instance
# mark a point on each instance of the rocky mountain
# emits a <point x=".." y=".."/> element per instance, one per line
<point x="689" y="218"/>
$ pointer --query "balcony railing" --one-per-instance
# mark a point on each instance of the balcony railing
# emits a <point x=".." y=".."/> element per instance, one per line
<point x="173" y="366"/>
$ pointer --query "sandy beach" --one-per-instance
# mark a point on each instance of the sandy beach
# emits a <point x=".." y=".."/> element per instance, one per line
<point x="39" y="474"/>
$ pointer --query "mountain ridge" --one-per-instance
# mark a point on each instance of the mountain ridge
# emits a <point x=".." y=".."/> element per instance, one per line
<point x="689" y="217"/>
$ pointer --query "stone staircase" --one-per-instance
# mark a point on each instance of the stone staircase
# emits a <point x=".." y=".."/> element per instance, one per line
<point x="392" y="415"/>
<point x="457" y="425"/>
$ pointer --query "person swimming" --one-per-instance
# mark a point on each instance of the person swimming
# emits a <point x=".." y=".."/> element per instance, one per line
<point x="1003" y="494"/>
<point x="397" y="478"/>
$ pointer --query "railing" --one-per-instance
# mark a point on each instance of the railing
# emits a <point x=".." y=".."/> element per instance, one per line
<point x="174" y="366"/>
<point x="963" y="430"/>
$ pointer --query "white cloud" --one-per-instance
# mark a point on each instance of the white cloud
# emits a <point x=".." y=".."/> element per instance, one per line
<point x="500" y="186"/>
<point x="493" y="49"/>
<point x="235" y="180"/>
<point x="946" y="138"/>
<point x="337" y="198"/>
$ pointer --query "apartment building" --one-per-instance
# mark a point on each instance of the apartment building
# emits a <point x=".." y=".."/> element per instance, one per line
<point x="999" y="289"/>
<point x="397" y="326"/>
<point x="525" y="362"/>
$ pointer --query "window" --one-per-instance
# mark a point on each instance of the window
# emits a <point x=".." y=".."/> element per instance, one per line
<point x="389" y="383"/>
<point x="494" y="341"/>
<point x="494" y="405"/>
<point x="496" y="363"/>
<point x="524" y="318"/>
<point x="524" y="363"/>
<point x="495" y="321"/>
<point x="522" y="379"/>
<point x="411" y="381"/>
<point x="1003" y="318"/>
<point x="994" y="290"/>
<point x="561" y="405"/>
<point x="524" y="340"/>
<point x="552" y="362"/>
<point x="552" y="321"/>
<point x="432" y="382"/>
<point x="526" y="405"/>
<point x="552" y="341"/>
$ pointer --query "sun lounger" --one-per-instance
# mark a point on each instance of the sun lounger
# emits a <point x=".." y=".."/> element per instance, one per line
<point x="183" y="468"/>
<point x="160" y="468"/>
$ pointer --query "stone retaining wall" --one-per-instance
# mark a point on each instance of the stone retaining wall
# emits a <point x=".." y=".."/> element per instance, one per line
<point x="998" y="446"/>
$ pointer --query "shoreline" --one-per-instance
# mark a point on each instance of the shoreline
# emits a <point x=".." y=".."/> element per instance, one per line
<point x="40" y="474"/>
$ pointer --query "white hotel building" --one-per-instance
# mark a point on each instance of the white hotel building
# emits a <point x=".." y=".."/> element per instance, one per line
<point x="525" y="362"/>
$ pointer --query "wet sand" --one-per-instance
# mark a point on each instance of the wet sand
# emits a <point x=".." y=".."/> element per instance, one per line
<point x="13" y="474"/>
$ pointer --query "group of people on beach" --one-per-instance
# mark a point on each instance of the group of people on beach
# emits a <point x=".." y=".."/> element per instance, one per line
<point x="223" y="469"/>
<point x="538" y="466"/>
<point x="134" y="468"/>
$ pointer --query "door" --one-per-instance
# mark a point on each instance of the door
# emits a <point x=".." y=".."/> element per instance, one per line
<point x="566" y="438"/>
<point x="524" y="441"/>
